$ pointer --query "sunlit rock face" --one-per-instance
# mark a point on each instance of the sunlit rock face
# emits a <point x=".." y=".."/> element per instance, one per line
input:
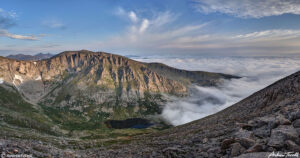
<point x="98" y="76"/>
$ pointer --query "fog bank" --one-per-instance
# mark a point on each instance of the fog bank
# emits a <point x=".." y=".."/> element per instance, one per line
<point x="256" y="73"/>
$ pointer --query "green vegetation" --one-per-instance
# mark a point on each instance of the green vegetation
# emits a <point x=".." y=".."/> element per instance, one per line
<point x="15" y="111"/>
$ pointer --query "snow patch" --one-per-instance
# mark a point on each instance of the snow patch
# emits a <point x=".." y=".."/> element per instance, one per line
<point x="38" y="78"/>
<point x="18" y="77"/>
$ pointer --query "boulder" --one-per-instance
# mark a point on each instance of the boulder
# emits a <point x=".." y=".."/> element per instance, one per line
<point x="294" y="116"/>
<point x="262" y="132"/>
<point x="242" y="133"/>
<point x="246" y="142"/>
<point x="292" y="146"/>
<point x="254" y="155"/>
<point x="281" y="134"/>
<point x="282" y="120"/>
<point x="244" y="126"/>
<point x="297" y="115"/>
<point x="237" y="149"/>
<point x="296" y="123"/>
<point x="226" y="143"/>
<point x="205" y="140"/>
<point x="255" y="148"/>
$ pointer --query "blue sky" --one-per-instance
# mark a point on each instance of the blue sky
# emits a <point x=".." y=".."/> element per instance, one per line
<point x="168" y="27"/>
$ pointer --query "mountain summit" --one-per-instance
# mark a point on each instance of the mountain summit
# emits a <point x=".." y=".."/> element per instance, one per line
<point x="100" y="73"/>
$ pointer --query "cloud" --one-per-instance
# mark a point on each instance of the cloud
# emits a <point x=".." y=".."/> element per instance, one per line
<point x="7" y="19"/>
<point x="5" y="33"/>
<point x="257" y="73"/>
<point x="249" y="8"/>
<point x="133" y="16"/>
<point x="54" y="24"/>
<point x="160" y="33"/>
<point x="144" y="25"/>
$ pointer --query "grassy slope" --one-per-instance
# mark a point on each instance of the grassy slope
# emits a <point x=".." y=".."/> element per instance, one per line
<point x="17" y="112"/>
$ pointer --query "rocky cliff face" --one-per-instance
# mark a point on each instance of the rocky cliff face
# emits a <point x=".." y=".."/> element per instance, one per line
<point x="101" y="75"/>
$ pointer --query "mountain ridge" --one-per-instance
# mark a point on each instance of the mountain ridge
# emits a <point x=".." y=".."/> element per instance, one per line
<point x="38" y="56"/>
<point x="115" y="72"/>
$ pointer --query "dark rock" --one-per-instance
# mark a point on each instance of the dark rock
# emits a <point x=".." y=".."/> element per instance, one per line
<point x="237" y="149"/>
<point x="204" y="154"/>
<point x="242" y="133"/>
<point x="262" y="132"/>
<point x="273" y="124"/>
<point x="246" y="142"/>
<point x="226" y="143"/>
<point x="245" y="126"/>
<point x="294" y="116"/>
<point x="172" y="152"/>
<point x="297" y="115"/>
<point x="281" y="134"/>
<point x="292" y="146"/>
<point x="298" y="130"/>
<point x="296" y="123"/>
<point x="214" y="150"/>
<point x="254" y="155"/>
<point x="282" y="120"/>
<point x="255" y="148"/>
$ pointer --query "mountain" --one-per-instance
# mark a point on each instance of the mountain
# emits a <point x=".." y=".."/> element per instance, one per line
<point x="112" y="76"/>
<point x="83" y="94"/>
<point x="39" y="56"/>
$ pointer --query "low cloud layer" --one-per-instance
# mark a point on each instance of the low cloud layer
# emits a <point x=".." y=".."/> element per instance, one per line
<point x="249" y="8"/>
<point x="257" y="73"/>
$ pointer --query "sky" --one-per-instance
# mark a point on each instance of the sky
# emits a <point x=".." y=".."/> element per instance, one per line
<point x="156" y="27"/>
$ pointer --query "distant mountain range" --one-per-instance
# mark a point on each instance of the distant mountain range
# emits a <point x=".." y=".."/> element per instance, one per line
<point x="39" y="56"/>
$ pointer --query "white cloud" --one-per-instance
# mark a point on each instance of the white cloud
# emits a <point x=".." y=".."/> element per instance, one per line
<point x="144" y="25"/>
<point x="5" y="33"/>
<point x="133" y="16"/>
<point x="249" y="8"/>
<point x="257" y="73"/>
